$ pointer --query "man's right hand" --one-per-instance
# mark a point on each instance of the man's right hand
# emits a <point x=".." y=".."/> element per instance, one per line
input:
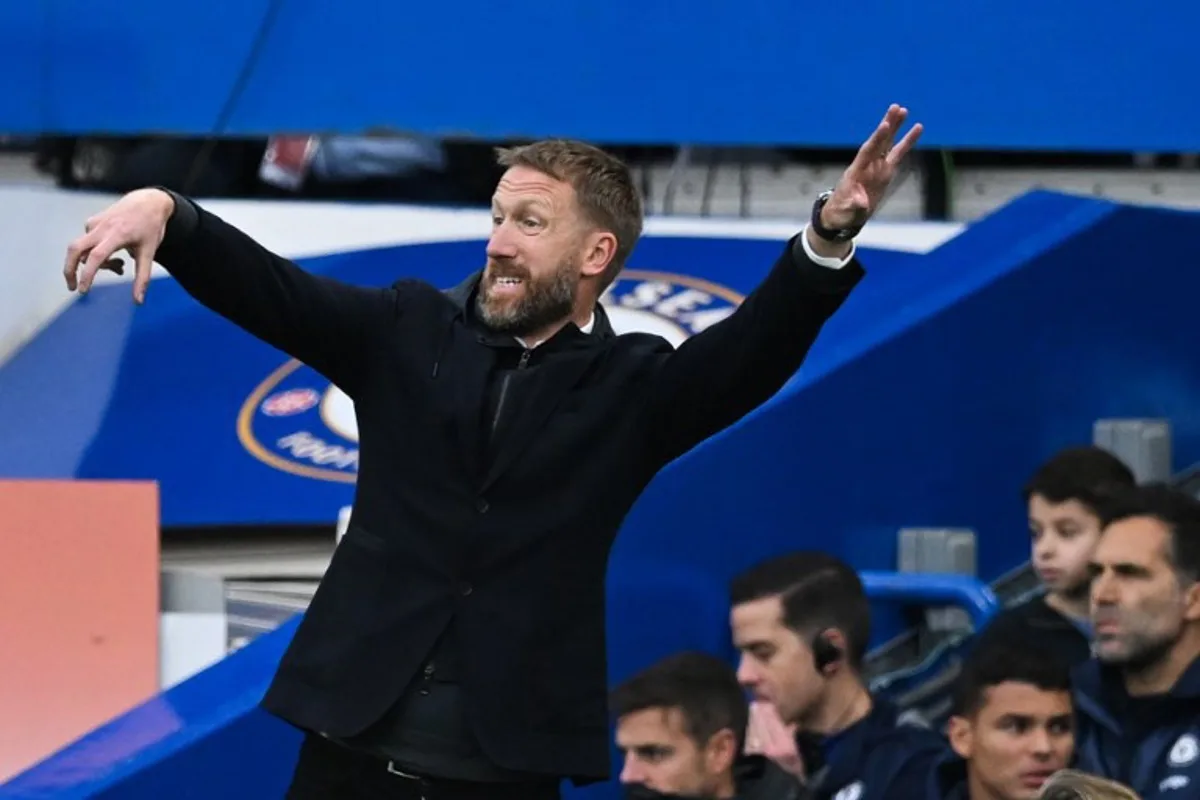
<point x="768" y="735"/>
<point x="136" y="223"/>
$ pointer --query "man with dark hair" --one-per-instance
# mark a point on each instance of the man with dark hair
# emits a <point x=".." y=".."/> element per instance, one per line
<point x="802" y="624"/>
<point x="680" y="726"/>
<point x="1138" y="701"/>
<point x="1011" y="726"/>
<point x="457" y="640"/>
<point x="1067" y="498"/>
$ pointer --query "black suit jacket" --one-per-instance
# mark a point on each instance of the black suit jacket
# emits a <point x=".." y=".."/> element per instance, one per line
<point x="511" y="544"/>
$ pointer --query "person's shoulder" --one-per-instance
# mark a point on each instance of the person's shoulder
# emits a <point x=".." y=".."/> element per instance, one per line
<point x="914" y="757"/>
<point x="1029" y="617"/>
<point x="636" y="343"/>
<point x="911" y="736"/>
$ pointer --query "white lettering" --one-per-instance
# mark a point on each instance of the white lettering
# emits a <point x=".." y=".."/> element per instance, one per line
<point x="687" y="300"/>
<point x="646" y="294"/>
<point x="303" y="445"/>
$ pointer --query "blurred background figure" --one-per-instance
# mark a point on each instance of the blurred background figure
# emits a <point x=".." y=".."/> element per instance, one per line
<point x="1069" y="784"/>
<point x="680" y="728"/>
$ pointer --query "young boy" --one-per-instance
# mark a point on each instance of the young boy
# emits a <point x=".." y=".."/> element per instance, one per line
<point x="1067" y="499"/>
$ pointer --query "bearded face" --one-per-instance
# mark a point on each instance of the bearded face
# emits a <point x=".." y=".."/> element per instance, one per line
<point x="515" y="300"/>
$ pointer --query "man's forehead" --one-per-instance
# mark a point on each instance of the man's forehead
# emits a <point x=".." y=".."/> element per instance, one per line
<point x="655" y="725"/>
<point x="757" y="619"/>
<point x="523" y="184"/>
<point x="1137" y="540"/>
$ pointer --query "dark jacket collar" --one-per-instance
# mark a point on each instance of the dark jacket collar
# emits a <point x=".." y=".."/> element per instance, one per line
<point x="1100" y="691"/>
<point x="842" y="755"/>
<point x="756" y="778"/>
<point x="949" y="779"/>
<point x="760" y="779"/>
<point x="463" y="297"/>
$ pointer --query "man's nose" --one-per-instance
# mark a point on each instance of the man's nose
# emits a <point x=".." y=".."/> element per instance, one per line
<point x="746" y="674"/>
<point x="501" y="244"/>
<point x="1040" y="743"/>
<point x="631" y="772"/>
<point x="1103" y="591"/>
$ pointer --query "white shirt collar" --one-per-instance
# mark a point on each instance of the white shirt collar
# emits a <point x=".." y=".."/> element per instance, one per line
<point x="587" y="328"/>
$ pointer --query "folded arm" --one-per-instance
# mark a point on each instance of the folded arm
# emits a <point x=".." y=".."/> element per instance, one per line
<point x="721" y="374"/>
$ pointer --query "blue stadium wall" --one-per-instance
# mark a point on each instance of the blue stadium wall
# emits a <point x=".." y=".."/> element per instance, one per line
<point x="1021" y="74"/>
<point x="927" y="401"/>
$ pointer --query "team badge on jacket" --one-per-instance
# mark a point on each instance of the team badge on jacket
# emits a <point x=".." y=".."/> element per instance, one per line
<point x="296" y="421"/>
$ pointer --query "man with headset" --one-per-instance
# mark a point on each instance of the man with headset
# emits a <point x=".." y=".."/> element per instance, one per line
<point x="802" y="622"/>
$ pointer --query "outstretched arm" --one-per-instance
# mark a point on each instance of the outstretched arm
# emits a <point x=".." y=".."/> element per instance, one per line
<point x="721" y="374"/>
<point x="326" y="324"/>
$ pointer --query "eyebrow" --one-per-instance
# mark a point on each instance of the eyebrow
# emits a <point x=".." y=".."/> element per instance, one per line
<point x="1127" y="568"/>
<point x="523" y="204"/>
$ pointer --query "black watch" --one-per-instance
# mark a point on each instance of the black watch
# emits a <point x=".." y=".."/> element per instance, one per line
<point x="829" y="235"/>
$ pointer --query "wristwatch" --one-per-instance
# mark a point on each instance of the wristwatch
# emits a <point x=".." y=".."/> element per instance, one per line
<point x="828" y="234"/>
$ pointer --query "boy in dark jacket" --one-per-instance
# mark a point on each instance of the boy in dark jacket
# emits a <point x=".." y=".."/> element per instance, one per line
<point x="1066" y="498"/>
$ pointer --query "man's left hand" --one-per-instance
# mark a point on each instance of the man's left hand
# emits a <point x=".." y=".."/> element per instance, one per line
<point x="866" y="180"/>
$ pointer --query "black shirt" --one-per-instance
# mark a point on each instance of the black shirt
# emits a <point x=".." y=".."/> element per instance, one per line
<point x="1035" y="624"/>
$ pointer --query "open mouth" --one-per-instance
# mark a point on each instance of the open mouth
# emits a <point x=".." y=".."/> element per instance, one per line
<point x="506" y="285"/>
<point x="1034" y="780"/>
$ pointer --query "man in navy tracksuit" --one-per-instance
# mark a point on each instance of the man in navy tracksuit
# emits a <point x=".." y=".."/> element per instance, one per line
<point x="802" y="624"/>
<point x="1011" y="726"/>
<point x="1138" y="702"/>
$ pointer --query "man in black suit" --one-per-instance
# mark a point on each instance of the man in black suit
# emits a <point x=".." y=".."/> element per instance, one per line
<point x="456" y="644"/>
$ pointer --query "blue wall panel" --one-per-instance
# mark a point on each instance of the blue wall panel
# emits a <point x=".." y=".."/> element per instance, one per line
<point x="1019" y="74"/>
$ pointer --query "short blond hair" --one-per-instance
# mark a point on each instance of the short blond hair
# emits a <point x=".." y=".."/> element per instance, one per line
<point x="1069" y="784"/>
<point x="603" y="185"/>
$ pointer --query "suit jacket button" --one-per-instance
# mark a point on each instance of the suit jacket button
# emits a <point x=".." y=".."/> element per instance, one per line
<point x="482" y="506"/>
<point x="465" y="589"/>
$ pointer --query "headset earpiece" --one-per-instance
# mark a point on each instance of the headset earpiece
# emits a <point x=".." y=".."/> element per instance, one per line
<point x="825" y="652"/>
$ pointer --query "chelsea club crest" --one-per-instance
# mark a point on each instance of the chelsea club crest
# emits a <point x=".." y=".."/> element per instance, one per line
<point x="298" y="422"/>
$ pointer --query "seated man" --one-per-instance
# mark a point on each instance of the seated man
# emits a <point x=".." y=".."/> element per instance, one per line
<point x="1011" y="727"/>
<point x="680" y="724"/>
<point x="1138" y="701"/>
<point x="1066" y="499"/>
<point x="802" y="624"/>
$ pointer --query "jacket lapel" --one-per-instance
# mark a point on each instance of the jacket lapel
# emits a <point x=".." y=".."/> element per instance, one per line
<point x="474" y="363"/>
<point x="540" y="394"/>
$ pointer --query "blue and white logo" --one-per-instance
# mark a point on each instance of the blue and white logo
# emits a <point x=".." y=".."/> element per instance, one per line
<point x="298" y="422"/>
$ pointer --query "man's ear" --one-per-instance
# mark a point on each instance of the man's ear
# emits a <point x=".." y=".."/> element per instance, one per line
<point x="1191" y="602"/>
<point x="961" y="734"/>
<point x="600" y="247"/>
<point x="721" y="752"/>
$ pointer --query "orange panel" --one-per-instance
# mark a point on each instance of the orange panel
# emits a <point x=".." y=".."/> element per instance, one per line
<point x="79" y="603"/>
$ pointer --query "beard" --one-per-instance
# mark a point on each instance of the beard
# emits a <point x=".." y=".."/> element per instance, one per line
<point x="541" y="303"/>
<point x="1141" y="644"/>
